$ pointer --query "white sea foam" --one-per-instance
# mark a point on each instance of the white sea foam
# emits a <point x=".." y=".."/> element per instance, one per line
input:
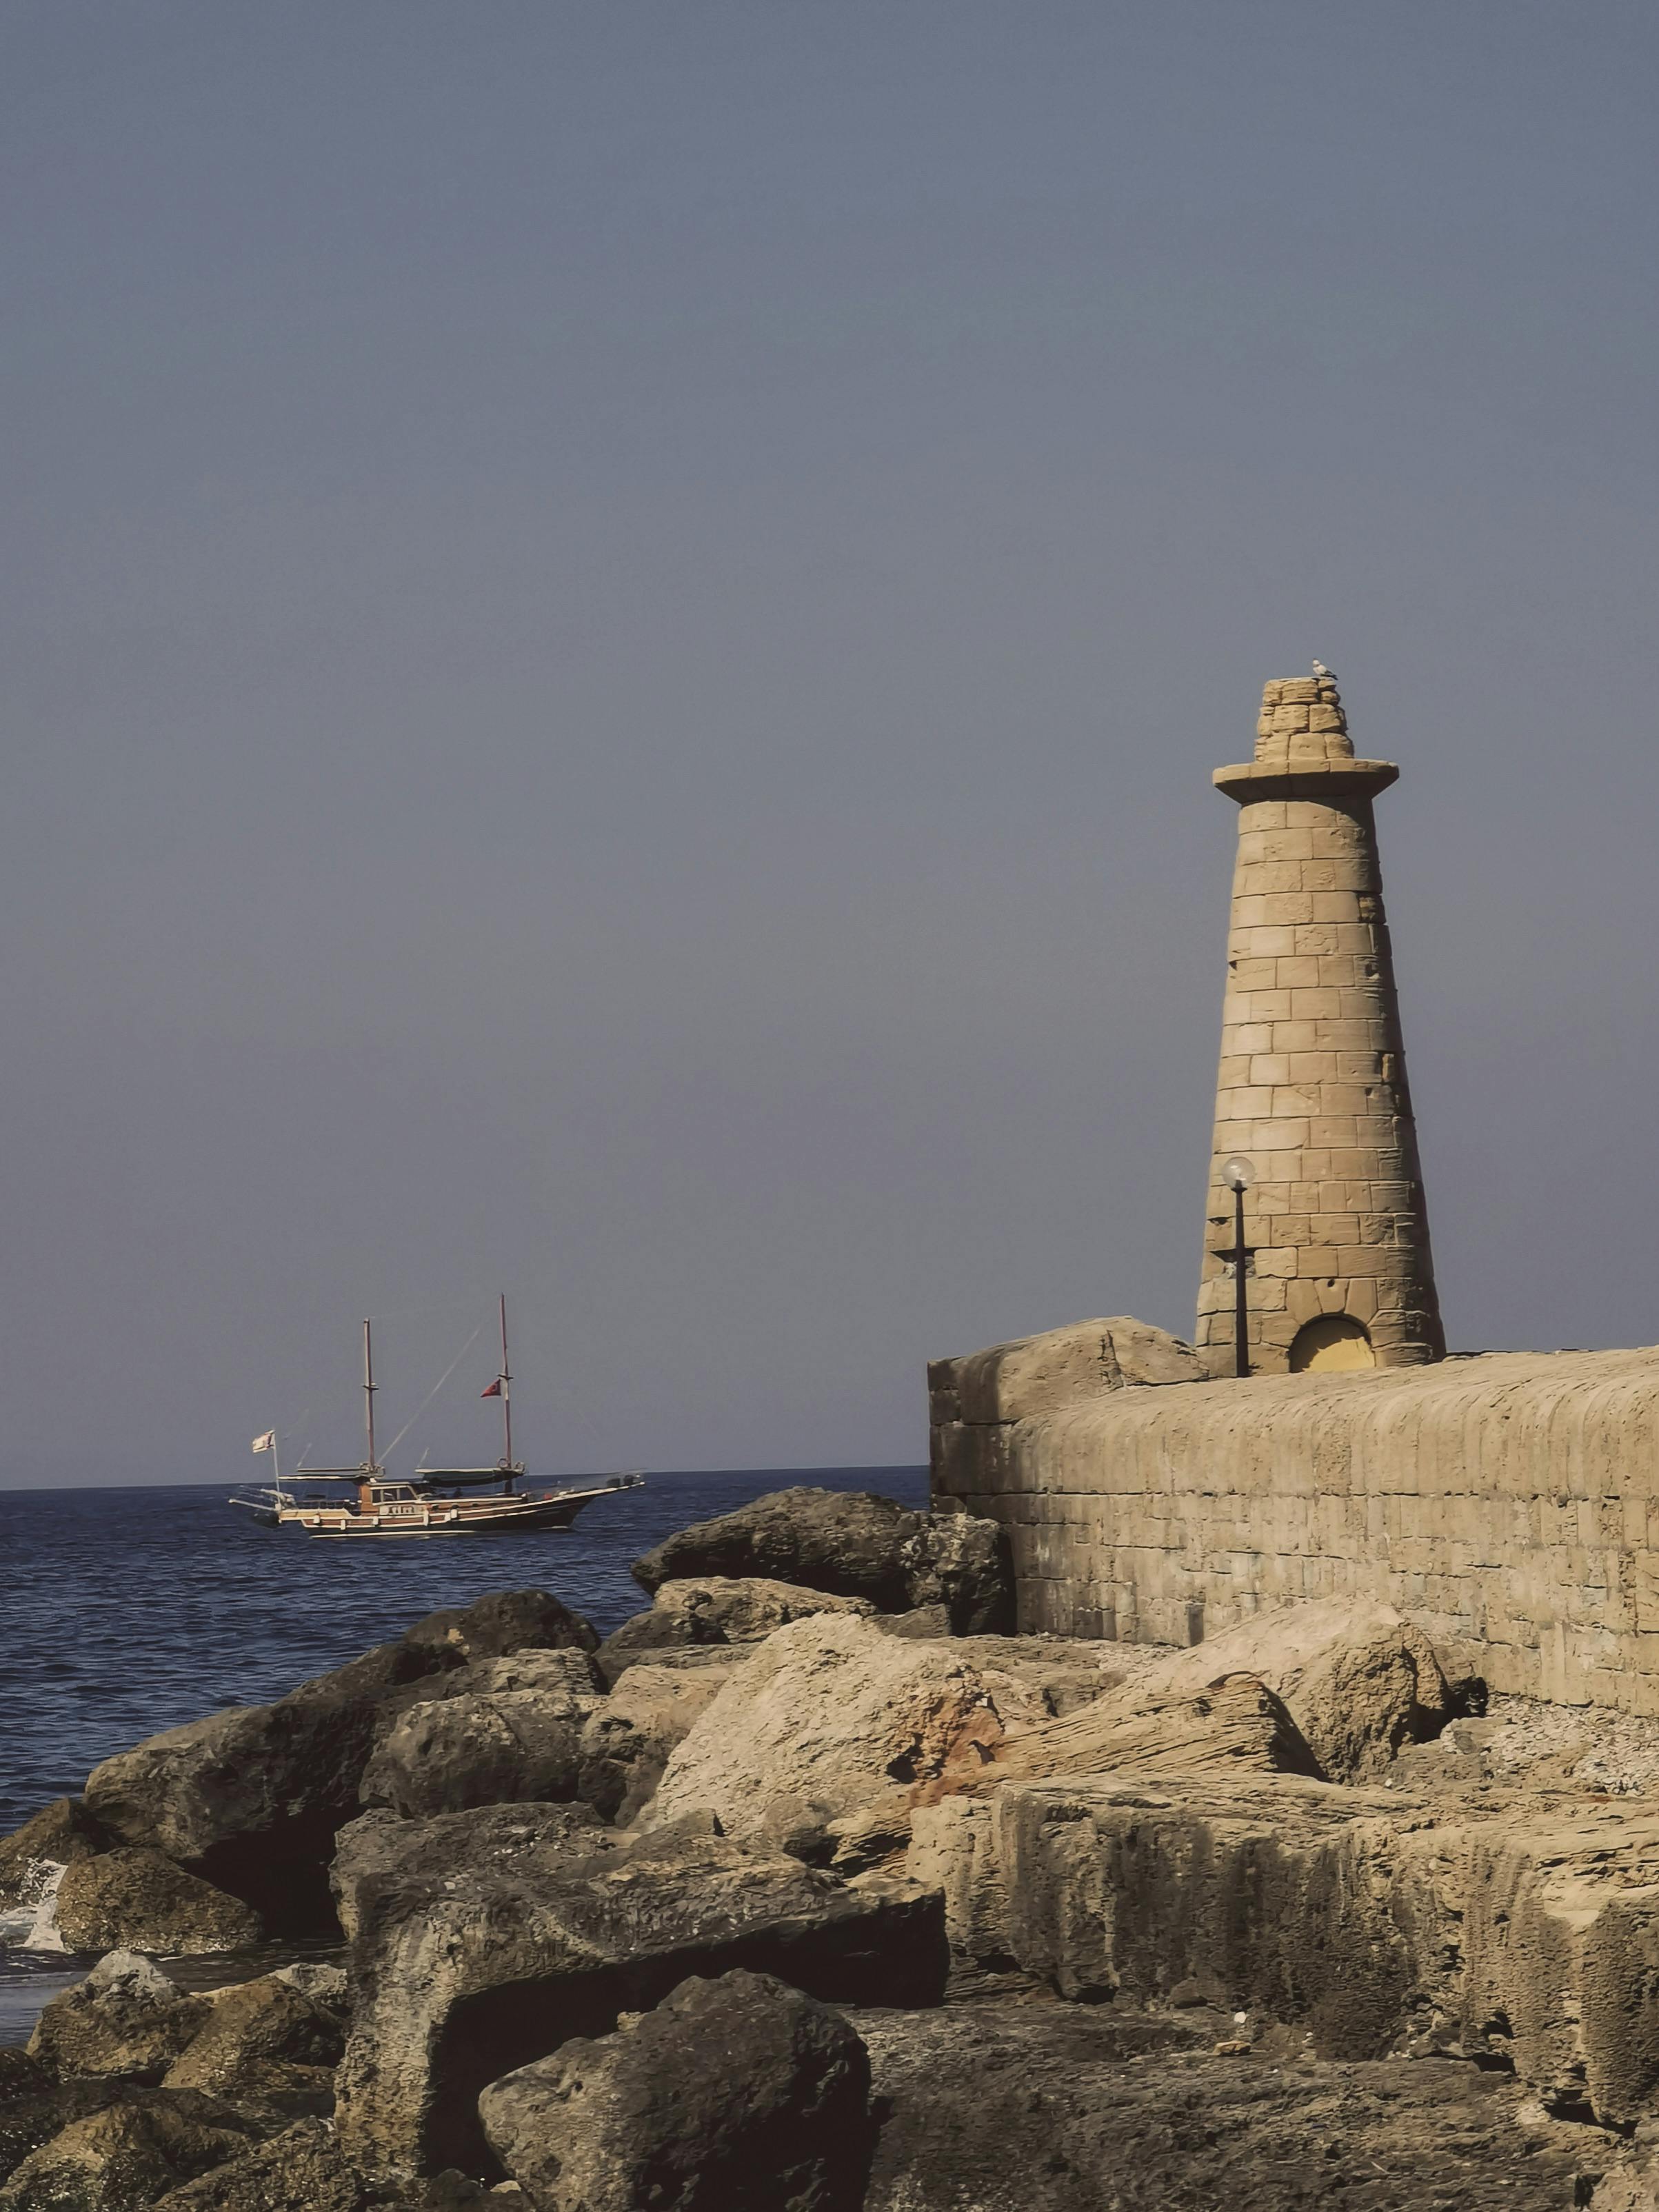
<point x="32" y="1924"/>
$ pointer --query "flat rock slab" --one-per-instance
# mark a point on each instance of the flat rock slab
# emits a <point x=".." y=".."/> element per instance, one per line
<point x="1052" y="2108"/>
<point x="1530" y="1940"/>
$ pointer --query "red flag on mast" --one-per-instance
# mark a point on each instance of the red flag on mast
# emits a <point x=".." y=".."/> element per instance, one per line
<point x="493" y="1391"/>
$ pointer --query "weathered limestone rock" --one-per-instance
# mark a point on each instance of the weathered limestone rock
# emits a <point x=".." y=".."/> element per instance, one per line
<point x="628" y="1739"/>
<point x="137" y="1900"/>
<point x="125" y="2018"/>
<point x="1350" y="1914"/>
<point x="59" y="1833"/>
<point x="484" y="1940"/>
<point x="263" y="2042"/>
<point x="451" y="1754"/>
<point x="250" y="1799"/>
<point x="301" y="2170"/>
<point x="737" y="2094"/>
<point x="851" y="1543"/>
<point x="718" y="1609"/>
<point x="833" y="1710"/>
<point x="1236" y="1723"/>
<point x="1359" y="1681"/>
<point x="124" y="2158"/>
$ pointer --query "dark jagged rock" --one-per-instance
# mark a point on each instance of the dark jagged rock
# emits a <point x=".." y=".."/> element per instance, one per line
<point x="250" y="1799"/>
<point x="737" y="2094"/>
<point x="126" y="2020"/>
<point x="504" y="1622"/>
<point x="32" y="2112"/>
<point x="1017" y="2107"/>
<point x="263" y="2043"/>
<point x="140" y="1901"/>
<point x="851" y="1543"/>
<point x="485" y="1940"/>
<point x="123" y="2157"/>
<point x="301" y="2170"/>
<point x="523" y="1746"/>
<point x="58" y="1834"/>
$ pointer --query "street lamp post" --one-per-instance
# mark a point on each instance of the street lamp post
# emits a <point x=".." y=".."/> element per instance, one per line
<point x="1239" y="1173"/>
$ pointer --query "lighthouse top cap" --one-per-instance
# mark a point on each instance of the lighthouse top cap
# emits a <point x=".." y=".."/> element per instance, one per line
<point x="1302" y="737"/>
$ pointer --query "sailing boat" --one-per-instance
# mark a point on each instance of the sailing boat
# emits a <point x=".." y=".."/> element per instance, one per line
<point x="450" y="1501"/>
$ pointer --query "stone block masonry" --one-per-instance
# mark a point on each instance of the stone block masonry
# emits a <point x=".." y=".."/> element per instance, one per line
<point x="1312" y="1083"/>
<point x="1510" y="1501"/>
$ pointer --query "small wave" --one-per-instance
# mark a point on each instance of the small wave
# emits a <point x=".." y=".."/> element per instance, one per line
<point x="31" y="1923"/>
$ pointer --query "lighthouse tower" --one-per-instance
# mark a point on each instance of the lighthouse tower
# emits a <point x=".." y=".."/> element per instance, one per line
<point x="1312" y="1092"/>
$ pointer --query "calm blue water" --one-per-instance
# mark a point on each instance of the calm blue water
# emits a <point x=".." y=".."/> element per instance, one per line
<point x="129" y="1610"/>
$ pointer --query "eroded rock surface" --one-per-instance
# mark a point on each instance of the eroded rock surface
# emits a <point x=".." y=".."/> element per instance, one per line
<point x="142" y="1901"/>
<point x="628" y="1740"/>
<point x="833" y="1712"/>
<point x="302" y="2170"/>
<point x="447" y="1755"/>
<point x="735" y="2094"/>
<point x="126" y="2019"/>
<point x="1071" y="2108"/>
<point x="852" y="1544"/>
<point x="485" y="1941"/>
<point x="715" y="1609"/>
<point x="124" y="2157"/>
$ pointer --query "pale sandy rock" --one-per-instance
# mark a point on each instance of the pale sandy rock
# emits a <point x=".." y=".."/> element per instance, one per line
<point x="1086" y="1358"/>
<point x="832" y="1710"/>
<point x="628" y="1739"/>
<point x="1358" y="1681"/>
<point x="1234" y="1723"/>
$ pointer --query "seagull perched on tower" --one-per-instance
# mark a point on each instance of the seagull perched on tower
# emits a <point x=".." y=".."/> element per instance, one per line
<point x="1319" y="669"/>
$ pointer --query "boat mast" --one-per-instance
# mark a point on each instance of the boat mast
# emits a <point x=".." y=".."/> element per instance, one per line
<point x="507" y="1399"/>
<point x="369" y="1468"/>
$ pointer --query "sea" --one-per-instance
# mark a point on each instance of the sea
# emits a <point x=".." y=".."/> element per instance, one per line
<point x="129" y="1610"/>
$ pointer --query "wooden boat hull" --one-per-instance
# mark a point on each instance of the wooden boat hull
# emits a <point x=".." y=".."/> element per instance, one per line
<point x="444" y="1516"/>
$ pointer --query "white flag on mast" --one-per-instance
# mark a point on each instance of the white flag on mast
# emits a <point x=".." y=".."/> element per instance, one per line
<point x="266" y="1442"/>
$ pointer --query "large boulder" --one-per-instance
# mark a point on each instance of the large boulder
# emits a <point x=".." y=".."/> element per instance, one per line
<point x="628" y="1739"/>
<point x="496" y="1626"/>
<point x="250" y="1799"/>
<point x="851" y="1543"/>
<point x="1359" y="1681"/>
<point x="302" y="2170"/>
<point x="832" y="1712"/>
<point x="59" y="1833"/>
<point x="737" y="2094"/>
<point x="484" y="1940"/>
<point x="446" y="1755"/>
<point x="126" y="2019"/>
<point x="138" y="1901"/>
<point x="263" y="2042"/>
<point x="717" y="1609"/>
<point x="124" y="2158"/>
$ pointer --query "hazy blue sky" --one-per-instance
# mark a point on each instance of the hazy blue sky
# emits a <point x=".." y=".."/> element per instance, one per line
<point x="615" y="623"/>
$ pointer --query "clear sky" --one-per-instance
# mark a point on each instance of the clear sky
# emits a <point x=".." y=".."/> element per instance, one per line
<point x="616" y="620"/>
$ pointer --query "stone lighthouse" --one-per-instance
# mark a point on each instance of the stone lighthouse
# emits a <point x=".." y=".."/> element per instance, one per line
<point x="1312" y="1092"/>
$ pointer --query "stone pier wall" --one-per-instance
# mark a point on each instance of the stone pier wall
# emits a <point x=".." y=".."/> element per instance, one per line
<point x="1511" y="1501"/>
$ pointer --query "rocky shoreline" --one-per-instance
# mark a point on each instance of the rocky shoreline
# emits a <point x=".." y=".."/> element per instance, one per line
<point x="815" y="1888"/>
